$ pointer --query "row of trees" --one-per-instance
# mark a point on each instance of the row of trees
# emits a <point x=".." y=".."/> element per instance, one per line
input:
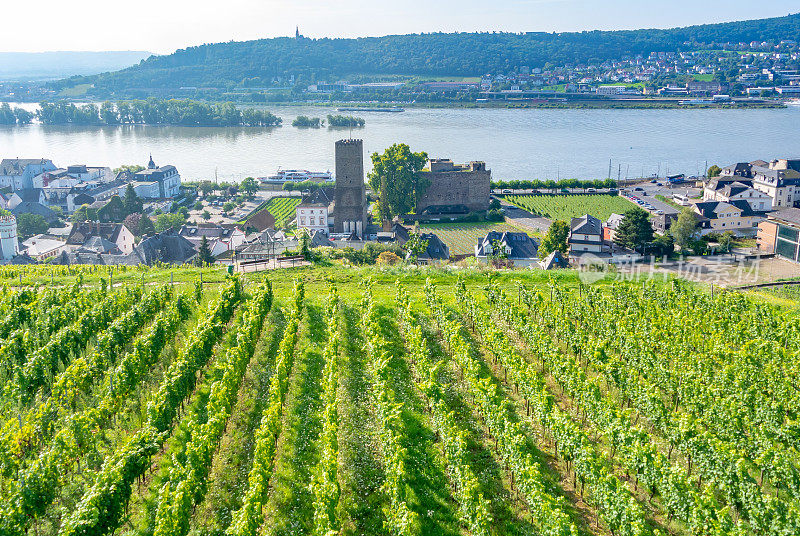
<point x="553" y="185"/>
<point x="153" y="111"/>
<point x="15" y="116"/>
<point x="304" y="121"/>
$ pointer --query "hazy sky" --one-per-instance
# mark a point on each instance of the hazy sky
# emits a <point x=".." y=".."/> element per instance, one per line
<point x="162" y="26"/>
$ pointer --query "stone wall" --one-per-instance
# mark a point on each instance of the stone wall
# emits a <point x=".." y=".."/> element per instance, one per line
<point x="468" y="185"/>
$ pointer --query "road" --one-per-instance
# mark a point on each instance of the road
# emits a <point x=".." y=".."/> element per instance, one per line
<point x="524" y="219"/>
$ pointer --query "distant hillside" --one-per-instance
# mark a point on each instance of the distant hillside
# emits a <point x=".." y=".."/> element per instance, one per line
<point x="256" y="63"/>
<point x="52" y="65"/>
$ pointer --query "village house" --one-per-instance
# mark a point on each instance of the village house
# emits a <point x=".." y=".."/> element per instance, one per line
<point x="585" y="236"/>
<point x="519" y="248"/>
<point x="736" y="216"/>
<point x="220" y="238"/>
<point x="114" y="233"/>
<point x="312" y="217"/>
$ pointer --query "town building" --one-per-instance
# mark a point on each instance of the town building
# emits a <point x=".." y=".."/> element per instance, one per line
<point x="18" y="173"/>
<point x="736" y="216"/>
<point x="519" y="248"/>
<point x="9" y="242"/>
<point x="42" y="247"/>
<point x="737" y="191"/>
<point x="166" y="178"/>
<point x="26" y="195"/>
<point x="778" y="179"/>
<point x="455" y="188"/>
<point x="115" y="233"/>
<point x="780" y="234"/>
<point x="350" y="192"/>
<point x="313" y="217"/>
<point x="220" y="238"/>
<point x="585" y="235"/>
<point x="781" y="181"/>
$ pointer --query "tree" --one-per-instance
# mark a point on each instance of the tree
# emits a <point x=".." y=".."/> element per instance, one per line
<point x="305" y="244"/>
<point x="165" y="222"/>
<point x="685" y="228"/>
<point x="396" y="176"/>
<point x="726" y="241"/>
<point x="714" y="171"/>
<point x="555" y="239"/>
<point x="84" y="213"/>
<point x="204" y="255"/>
<point x="664" y="245"/>
<point x="634" y="231"/>
<point x="130" y="168"/>
<point x="132" y="202"/>
<point x="206" y="187"/>
<point x="415" y="247"/>
<point x="249" y="186"/>
<point x="139" y="224"/>
<point x="31" y="224"/>
<point x="206" y="215"/>
<point x="387" y="258"/>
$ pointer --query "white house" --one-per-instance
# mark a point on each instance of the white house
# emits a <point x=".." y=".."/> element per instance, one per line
<point x="219" y="239"/>
<point x="167" y="178"/>
<point x="18" y="173"/>
<point x="41" y="248"/>
<point x="313" y="217"/>
<point x="586" y="235"/>
<point x="737" y="191"/>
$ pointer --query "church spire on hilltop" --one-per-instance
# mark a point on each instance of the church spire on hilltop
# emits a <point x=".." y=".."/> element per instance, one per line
<point x="297" y="33"/>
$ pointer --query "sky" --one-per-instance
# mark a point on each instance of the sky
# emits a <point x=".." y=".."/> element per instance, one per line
<point x="162" y="26"/>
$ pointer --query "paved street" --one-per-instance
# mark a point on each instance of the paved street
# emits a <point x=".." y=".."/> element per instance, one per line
<point x="524" y="219"/>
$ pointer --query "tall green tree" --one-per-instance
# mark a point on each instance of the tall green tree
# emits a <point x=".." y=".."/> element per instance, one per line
<point x="555" y="239"/>
<point x="396" y="177"/>
<point x="714" y="171"/>
<point x="31" y="224"/>
<point x="249" y="186"/>
<point x="415" y="247"/>
<point x="132" y="202"/>
<point x="204" y="255"/>
<point x="634" y="231"/>
<point x="685" y="229"/>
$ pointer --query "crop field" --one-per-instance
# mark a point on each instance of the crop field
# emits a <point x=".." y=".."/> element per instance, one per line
<point x="565" y="207"/>
<point x="462" y="237"/>
<point x="283" y="208"/>
<point x="397" y="401"/>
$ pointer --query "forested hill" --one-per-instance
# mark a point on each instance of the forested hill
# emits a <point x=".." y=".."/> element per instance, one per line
<point x="256" y="63"/>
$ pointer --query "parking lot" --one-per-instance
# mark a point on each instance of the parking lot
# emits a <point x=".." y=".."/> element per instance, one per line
<point x="644" y="195"/>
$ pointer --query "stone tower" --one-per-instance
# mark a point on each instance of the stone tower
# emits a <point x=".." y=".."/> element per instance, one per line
<point x="350" y="194"/>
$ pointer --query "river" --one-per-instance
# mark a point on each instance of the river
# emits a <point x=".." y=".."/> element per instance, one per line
<point x="515" y="143"/>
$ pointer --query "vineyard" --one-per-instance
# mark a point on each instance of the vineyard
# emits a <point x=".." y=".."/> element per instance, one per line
<point x="328" y="401"/>
<point x="565" y="207"/>
<point x="283" y="209"/>
<point x="461" y="238"/>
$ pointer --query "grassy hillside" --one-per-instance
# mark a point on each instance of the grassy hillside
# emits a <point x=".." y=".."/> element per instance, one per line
<point x="256" y="63"/>
<point x="410" y="401"/>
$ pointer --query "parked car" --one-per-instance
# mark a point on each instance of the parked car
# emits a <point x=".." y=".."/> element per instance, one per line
<point x="506" y="191"/>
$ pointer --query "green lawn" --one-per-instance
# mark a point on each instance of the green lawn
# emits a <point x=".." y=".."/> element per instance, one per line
<point x="565" y="207"/>
<point x="462" y="237"/>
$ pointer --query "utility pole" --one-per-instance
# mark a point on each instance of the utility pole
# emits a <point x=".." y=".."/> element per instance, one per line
<point x="609" y="168"/>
